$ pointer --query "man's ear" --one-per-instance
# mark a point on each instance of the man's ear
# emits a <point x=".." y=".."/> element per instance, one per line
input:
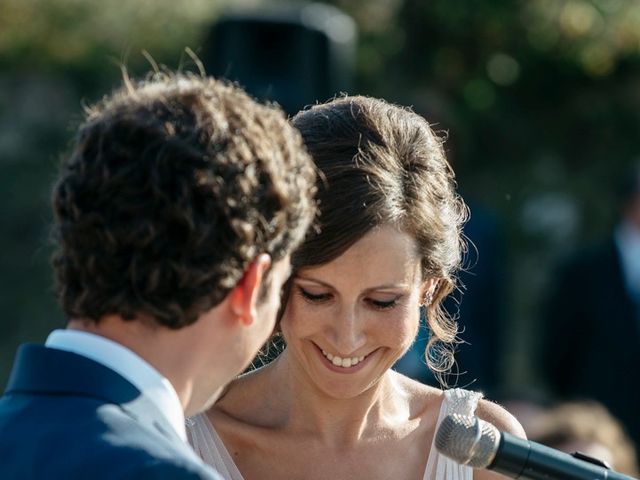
<point x="245" y="295"/>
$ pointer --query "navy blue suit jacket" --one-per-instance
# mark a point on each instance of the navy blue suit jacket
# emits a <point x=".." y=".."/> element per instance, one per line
<point x="590" y="347"/>
<point x="64" y="416"/>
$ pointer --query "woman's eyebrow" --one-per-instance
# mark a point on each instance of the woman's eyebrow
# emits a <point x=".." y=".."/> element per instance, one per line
<point x="314" y="280"/>
<point x="390" y="286"/>
<point x="386" y="286"/>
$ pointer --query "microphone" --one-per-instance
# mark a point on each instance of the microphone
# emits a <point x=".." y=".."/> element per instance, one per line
<point x="479" y="444"/>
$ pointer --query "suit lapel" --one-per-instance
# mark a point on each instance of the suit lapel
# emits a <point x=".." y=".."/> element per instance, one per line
<point x="39" y="370"/>
<point x="145" y="412"/>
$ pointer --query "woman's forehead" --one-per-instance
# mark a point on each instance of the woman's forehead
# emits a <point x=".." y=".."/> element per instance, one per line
<point x="385" y="255"/>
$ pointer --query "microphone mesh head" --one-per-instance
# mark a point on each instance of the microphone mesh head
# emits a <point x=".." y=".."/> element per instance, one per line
<point x="468" y="440"/>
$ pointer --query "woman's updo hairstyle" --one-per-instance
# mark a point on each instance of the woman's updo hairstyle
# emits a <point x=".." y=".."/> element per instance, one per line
<point x="380" y="164"/>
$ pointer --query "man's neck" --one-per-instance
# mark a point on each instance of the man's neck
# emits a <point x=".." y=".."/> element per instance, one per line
<point x="198" y="359"/>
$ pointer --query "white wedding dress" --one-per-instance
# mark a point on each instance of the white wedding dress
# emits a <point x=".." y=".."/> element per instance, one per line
<point x="209" y="446"/>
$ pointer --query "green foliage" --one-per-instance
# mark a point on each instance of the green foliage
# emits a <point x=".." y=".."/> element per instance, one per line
<point x="594" y="35"/>
<point x="91" y="38"/>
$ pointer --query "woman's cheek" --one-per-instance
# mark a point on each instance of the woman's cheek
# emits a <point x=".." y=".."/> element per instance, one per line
<point x="402" y="325"/>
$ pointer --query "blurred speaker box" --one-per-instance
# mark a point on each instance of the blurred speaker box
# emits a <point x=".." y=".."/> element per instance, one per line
<point x="295" y="55"/>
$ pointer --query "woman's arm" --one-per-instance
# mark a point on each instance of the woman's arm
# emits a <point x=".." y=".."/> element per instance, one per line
<point x="503" y="421"/>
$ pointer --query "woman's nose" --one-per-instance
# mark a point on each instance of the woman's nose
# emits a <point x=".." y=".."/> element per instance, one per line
<point x="348" y="331"/>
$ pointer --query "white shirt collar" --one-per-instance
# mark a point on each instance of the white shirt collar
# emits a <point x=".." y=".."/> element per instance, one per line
<point x="627" y="238"/>
<point x="129" y="365"/>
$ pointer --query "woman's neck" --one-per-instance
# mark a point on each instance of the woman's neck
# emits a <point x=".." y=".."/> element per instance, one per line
<point x="341" y="422"/>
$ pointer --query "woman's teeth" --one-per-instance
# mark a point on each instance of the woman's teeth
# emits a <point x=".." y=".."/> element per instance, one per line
<point x="342" y="362"/>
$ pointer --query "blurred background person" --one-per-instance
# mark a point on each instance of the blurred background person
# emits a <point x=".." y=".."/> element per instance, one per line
<point x="590" y="344"/>
<point x="587" y="427"/>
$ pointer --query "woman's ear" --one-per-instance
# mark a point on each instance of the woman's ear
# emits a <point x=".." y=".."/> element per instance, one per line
<point x="245" y="296"/>
<point x="428" y="290"/>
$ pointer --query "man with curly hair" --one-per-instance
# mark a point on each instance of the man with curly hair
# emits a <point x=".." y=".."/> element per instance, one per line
<point x="176" y="213"/>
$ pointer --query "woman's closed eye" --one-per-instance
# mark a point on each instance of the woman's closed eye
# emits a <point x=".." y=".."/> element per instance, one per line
<point x="318" y="296"/>
<point x="314" y="297"/>
<point x="383" y="304"/>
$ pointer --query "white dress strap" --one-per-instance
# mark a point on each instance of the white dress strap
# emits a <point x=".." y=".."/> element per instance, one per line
<point x="440" y="467"/>
<point x="208" y="445"/>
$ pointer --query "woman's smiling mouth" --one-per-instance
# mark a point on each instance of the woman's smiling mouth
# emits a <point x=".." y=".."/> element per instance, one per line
<point x="342" y="362"/>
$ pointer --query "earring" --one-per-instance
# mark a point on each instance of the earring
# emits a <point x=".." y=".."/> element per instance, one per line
<point x="428" y="298"/>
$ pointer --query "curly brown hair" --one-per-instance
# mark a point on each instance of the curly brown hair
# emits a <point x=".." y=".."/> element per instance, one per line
<point x="174" y="185"/>
<point x="380" y="164"/>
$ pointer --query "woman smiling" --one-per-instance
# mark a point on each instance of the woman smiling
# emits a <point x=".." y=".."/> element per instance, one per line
<point x="388" y="243"/>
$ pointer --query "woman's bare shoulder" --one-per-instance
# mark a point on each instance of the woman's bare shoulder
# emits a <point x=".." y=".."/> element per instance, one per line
<point x="505" y="422"/>
<point x="422" y="399"/>
<point x="424" y="396"/>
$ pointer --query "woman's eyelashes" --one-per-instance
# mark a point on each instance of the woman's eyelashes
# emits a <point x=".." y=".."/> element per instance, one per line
<point x="313" y="297"/>
<point x="320" y="297"/>
<point x="383" y="304"/>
